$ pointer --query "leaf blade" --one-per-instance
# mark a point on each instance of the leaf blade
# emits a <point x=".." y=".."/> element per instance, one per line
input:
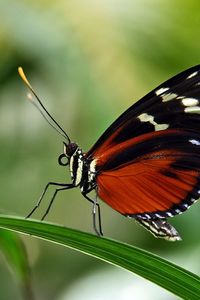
<point x="15" y="253"/>
<point x="171" y="277"/>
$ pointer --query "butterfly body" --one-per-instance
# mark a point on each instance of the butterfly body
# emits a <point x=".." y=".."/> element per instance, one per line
<point x="146" y="165"/>
<point x="82" y="170"/>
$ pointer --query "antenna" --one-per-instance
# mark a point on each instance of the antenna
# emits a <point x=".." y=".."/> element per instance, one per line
<point x="38" y="104"/>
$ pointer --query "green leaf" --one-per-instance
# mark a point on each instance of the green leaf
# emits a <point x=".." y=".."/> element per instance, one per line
<point x="13" y="248"/>
<point x="171" y="277"/>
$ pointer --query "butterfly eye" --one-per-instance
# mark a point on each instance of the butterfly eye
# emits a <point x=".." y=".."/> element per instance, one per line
<point x="63" y="160"/>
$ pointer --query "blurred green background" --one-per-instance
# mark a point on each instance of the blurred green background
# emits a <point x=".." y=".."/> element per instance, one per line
<point x="88" y="61"/>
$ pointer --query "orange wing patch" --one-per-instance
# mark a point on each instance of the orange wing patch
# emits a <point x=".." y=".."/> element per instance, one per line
<point x="146" y="186"/>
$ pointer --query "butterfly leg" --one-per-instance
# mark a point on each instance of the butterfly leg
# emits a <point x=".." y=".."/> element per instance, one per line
<point x="67" y="186"/>
<point x="98" y="231"/>
<point x="160" y="228"/>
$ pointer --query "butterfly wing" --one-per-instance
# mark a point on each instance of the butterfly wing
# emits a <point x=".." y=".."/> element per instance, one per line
<point x="152" y="177"/>
<point x="155" y="175"/>
<point x="148" y="160"/>
<point x="174" y="104"/>
<point x="160" y="228"/>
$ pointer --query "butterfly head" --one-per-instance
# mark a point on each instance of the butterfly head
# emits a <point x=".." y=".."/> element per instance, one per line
<point x="68" y="151"/>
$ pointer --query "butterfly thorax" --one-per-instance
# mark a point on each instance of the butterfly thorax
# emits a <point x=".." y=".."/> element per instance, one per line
<point x="82" y="169"/>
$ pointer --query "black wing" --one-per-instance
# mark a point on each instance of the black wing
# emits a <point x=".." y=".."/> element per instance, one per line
<point x="173" y="104"/>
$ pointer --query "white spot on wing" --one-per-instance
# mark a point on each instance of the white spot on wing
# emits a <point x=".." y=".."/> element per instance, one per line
<point x="190" y="102"/>
<point x="192" y="200"/>
<point x="149" y="118"/>
<point x="169" y="214"/>
<point x="147" y="216"/>
<point x="142" y="217"/>
<point x="195" y="142"/>
<point x="169" y="97"/>
<point x="192" y="75"/>
<point x="192" y="109"/>
<point x="158" y="215"/>
<point x="161" y="90"/>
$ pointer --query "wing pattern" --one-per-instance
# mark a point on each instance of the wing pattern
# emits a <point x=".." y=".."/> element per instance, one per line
<point x="158" y="176"/>
<point x="174" y="104"/>
<point x="148" y="160"/>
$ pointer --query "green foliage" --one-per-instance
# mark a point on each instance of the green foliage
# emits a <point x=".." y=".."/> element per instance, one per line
<point x="173" y="278"/>
<point x="13" y="248"/>
<point x="88" y="61"/>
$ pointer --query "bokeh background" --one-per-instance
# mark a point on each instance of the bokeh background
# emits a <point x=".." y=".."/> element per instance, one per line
<point x="88" y="61"/>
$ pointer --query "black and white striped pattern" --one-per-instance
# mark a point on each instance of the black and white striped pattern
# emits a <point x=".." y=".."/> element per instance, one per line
<point x="83" y="172"/>
<point x="161" y="228"/>
<point x="76" y="166"/>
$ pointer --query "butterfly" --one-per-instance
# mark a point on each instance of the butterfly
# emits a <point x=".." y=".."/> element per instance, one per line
<point x="146" y="165"/>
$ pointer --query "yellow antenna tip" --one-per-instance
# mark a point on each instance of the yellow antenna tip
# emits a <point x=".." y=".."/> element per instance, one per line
<point x="23" y="77"/>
